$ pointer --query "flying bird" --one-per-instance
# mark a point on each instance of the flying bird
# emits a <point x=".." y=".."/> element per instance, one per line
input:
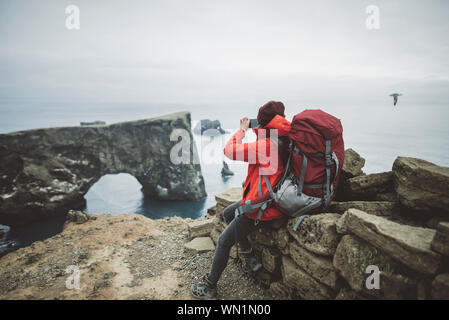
<point x="395" y="96"/>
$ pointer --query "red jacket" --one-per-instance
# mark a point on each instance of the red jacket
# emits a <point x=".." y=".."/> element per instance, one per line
<point x="257" y="157"/>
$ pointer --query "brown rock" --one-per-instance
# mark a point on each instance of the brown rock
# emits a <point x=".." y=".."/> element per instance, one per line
<point x="440" y="242"/>
<point x="318" y="267"/>
<point x="348" y="294"/>
<point x="317" y="233"/>
<point x="264" y="278"/>
<point x="77" y="216"/>
<point x="422" y="185"/>
<point x="390" y="197"/>
<point x="306" y="286"/>
<point x="368" y="187"/>
<point x="440" y="287"/>
<point x="212" y="210"/>
<point x="280" y="291"/>
<point x="352" y="167"/>
<point x="200" y="228"/>
<point x="409" y="245"/>
<point x="199" y="245"/>
<point x="263" y="236"/>
<point x="281" y="240"/>
<point x="229" y="197"/>
<point x="378" y="208"/>
<point x="271" y="259"/>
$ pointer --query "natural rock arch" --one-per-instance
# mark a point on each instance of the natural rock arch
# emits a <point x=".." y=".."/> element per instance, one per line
<point x="48" y="171"/>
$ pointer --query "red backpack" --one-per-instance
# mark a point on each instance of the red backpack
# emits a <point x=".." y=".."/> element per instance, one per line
<point x="315" y="159"/>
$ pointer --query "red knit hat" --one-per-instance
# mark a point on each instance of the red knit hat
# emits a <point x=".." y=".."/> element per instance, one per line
<point x="268" y="111"/>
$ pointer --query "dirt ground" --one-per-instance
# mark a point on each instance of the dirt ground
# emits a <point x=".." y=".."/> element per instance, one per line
<point x="118" y="257"/>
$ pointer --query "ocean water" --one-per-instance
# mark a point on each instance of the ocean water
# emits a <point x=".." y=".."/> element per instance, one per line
<point x="379" y="133"/>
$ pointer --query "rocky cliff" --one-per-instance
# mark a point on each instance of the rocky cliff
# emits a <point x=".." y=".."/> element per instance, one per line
<point x="48" y="171"/>
<point x="374" y="223"/>
<point x="396" y="221"/>
<point x="124" y="256"/>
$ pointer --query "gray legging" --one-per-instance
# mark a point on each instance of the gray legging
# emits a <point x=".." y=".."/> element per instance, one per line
<point x="237" y="229"/>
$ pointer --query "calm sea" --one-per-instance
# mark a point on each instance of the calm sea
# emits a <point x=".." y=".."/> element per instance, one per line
<point x="378" y="133"/>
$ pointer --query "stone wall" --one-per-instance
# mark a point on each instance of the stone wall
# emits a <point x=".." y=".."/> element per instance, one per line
<point x="379" y="220"/>
<point x="48" y="171"/>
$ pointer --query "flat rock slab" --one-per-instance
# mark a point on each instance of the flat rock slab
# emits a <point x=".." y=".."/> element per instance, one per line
<point x="378" y="208"/>
<point x="317" y="233"/>
<point x="422" y="185"/>
<point x="409" y="245"/>
<point x="200" y="228"/>
<point x="305" y="285"/>
<point x="368" y="187"/>
<point x="352" y="258"/>
<point x="199" y="245"/>
<point x="318" y="267"/>
<point x="229" y="197"/>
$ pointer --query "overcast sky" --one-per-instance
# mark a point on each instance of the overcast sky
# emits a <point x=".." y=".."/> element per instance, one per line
<point x="164" y="51"/>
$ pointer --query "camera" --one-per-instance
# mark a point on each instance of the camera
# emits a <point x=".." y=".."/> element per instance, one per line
<point x="253" y="123"/>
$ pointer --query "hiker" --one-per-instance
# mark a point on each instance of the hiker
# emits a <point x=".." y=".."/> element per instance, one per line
<point x="260" y="158"/>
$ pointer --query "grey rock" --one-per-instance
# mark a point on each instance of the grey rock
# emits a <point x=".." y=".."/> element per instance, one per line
<point x="352" y="258"/>
<point x="369" y="187"/>
<point x="199" y="245"/>
<point x="422" y="185"/>
<point x="409" y="245"/>
<point x="109" y="275"/>
<point x="282" y="239"/>
<point x="212" y="210"/>
<point x="228" y="197"/>
<point x="280" y="291"/>
<point x="353" y="164"/>
<point x="378" y="208"/>
<point x="48" y="171"/>
<point x="440" y="287"/>
<point x="317" y="233"/>
<point x="305" y="285"/>
<point x="319" y="267"/>
<point x="200" y="228"/>
<point x="77" y="216"/>
<point x="208" y="127"/>
<point x="352" y="167"/>
<point x="440" y="242"/>
<point x="348" y="294"/>
<point x="271" y="259"/>
<point x="101" y="285"/>
<point x="225" y="171"/>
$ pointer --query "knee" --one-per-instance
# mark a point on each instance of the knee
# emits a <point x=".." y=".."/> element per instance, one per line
<point x="224" y="241"/>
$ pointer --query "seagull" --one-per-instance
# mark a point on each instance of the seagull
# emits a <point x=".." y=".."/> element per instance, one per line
<point x="395" y="96"/>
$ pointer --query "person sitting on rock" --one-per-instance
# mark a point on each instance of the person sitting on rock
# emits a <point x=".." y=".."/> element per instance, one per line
<point x="271" y="132"/>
